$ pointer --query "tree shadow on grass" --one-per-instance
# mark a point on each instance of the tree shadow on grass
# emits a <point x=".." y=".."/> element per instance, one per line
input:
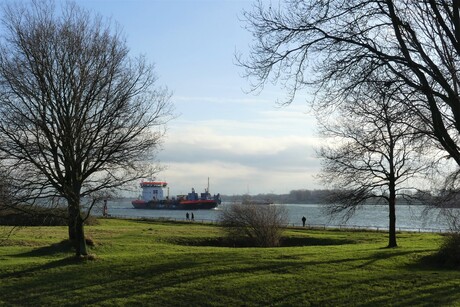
<point x="63" y="248"/>
<point x="57" y="248"/>
<point x="246" y="242"/>
<point x="385" y="253"/>
<point x="310" y="241"/>
<point x="71" y="260"/>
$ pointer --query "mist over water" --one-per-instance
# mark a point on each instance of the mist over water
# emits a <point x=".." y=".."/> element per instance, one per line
<point x="369" y="216"/>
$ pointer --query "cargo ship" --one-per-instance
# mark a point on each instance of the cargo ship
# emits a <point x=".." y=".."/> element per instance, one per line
<point x="153" y="197"/>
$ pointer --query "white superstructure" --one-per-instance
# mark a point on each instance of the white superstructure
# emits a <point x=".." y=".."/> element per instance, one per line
<point x="153" y="190"/>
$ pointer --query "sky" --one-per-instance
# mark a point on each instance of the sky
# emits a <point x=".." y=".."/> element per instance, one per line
<point x="243" y="142"/>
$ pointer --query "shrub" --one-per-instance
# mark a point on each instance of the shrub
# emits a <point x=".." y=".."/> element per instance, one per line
<point x="449" y="253"/>
<point x="260" y="225"/>
<point x="25" y="215"/>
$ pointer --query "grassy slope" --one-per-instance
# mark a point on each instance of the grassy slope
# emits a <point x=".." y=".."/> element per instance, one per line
<point x="169" y="264"/>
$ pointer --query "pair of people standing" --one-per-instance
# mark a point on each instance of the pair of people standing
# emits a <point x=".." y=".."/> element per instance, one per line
<point x="188" y="216"/>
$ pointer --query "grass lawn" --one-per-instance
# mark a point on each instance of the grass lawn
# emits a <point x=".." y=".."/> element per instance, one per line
<point x="179" y="264"/>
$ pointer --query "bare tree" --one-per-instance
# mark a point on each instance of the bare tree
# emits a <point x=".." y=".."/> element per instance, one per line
<point x="261" y="224"/>
<point x="377" y="155"/>
<point x="336" y="45"/>
<point x="79" y="117"/>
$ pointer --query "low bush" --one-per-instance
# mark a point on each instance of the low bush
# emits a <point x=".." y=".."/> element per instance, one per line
<point x="37" y="216"/>
<point x="256" y="225"/>
<point x="449" y="253"/>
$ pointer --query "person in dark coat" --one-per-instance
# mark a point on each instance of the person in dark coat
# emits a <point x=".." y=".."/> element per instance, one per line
<point x="304" y="219"/>
<point x="105" y="210"/>
<point x="187" y="216"/>
<point x="193" y="217"/>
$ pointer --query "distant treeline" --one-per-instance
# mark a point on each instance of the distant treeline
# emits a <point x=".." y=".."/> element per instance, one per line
<point x="319" y="196"/>
<point x="294" y="197"/>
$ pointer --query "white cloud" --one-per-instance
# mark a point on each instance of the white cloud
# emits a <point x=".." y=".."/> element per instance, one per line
<point x="239" y="156"/>
<point x="234" y="178"/>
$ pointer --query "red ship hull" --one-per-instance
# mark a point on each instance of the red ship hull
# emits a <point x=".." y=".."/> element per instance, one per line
<point x="176" y="205"/>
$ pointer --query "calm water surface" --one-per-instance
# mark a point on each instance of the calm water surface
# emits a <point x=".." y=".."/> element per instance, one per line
<point x="372" y="216"/>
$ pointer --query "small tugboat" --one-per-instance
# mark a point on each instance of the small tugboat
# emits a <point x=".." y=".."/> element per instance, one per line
<point x="153" y="197"/>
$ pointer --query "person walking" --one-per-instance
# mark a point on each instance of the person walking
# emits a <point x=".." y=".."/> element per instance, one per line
<point x="187" y="216"/>
<point x="193" y="217"/>
<point x="105" y="210"/>
<point x="304" y="219"/>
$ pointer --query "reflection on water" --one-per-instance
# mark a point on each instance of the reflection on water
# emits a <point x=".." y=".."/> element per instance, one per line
<point x="375" y="216"/>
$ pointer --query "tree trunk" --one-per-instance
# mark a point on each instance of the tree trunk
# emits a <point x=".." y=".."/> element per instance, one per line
<point x="80" y="242"/>
<point x="72" y="222"/>
<point x="392" y="217"/>
<point x="76" y="229"/>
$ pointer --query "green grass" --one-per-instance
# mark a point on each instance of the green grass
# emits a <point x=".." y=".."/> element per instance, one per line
<point x="176" y="264"/>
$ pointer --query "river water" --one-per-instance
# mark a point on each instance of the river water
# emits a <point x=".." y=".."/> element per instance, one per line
<point x="410" y="218"/>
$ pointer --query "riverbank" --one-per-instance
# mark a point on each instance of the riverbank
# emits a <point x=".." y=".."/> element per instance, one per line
<point x="292" y="225"/>
<point x="178" y="264"/>
<point x="375" y="217"/>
